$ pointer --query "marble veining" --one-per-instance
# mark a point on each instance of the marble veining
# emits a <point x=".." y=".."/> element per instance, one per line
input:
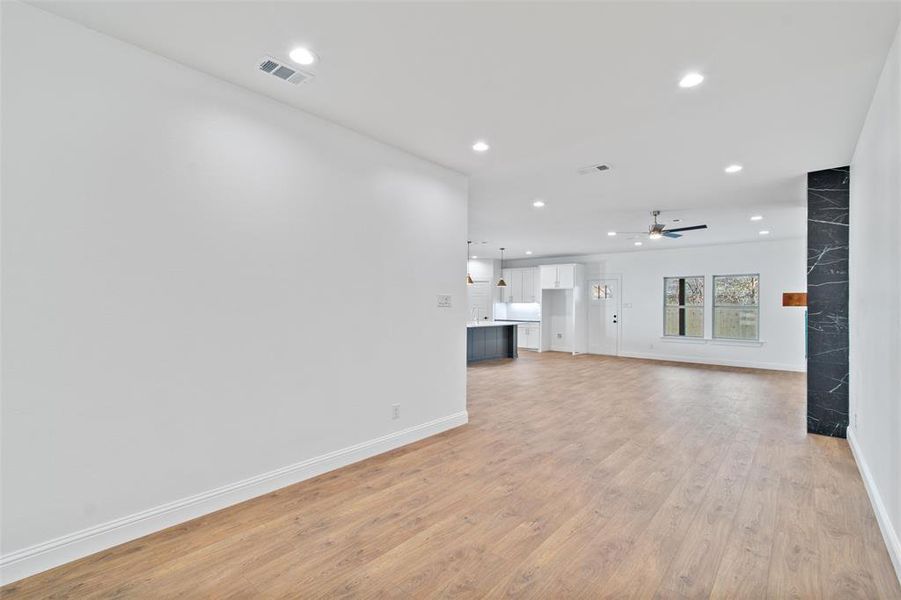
<point x="827" y="301"/>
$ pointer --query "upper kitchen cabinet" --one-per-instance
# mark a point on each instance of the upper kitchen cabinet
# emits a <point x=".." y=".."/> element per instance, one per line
<point x="558" y="277"/>
<point x="530" y="290"/>
<point x="522" y="286"/>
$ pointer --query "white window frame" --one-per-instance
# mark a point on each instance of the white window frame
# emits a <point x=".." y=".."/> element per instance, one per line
<point x="702" y="306"/>
<point x="743" y="306"/>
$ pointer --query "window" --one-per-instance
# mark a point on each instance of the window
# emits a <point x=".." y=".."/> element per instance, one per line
<point x="683" y="306"/>
<point x="736" y="307"/>
<point x="601" y="292"/>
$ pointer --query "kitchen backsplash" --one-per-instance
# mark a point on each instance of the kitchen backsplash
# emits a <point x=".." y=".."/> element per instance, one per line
<point x="514" y="311"/>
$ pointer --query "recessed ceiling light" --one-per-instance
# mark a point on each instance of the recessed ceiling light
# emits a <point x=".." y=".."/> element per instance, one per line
<point x="638" y="243"/>
<point x="302" y="56"/>
<point x="611" y="233"/>
<point x="481" y="146"/>
<point x="733" y="168"/>
<point x="538" y="204"/>
<point x="691" y="80"/>
<point x="528" y="252"/>
<point x="764" y="232"/>
<point x="757" y="218"/>
<point x="475" y="256"/>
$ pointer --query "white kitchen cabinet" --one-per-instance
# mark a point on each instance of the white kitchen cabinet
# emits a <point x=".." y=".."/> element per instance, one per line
<point x="548" y="275"/>
<point x="516" y="285"/>
<point x="564" y="312"/>
<point x="527" y="335"/>
<point x="566" y="276"/>
<point x="523" y="285"/>
<point x="558" y="277"/>
<point x="528" y="287"/>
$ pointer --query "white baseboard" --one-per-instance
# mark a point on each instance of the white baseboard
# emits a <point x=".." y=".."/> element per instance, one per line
<point x="885" y="524"/>
<point x="748" y="364"/>
<point x="40" y="557"/>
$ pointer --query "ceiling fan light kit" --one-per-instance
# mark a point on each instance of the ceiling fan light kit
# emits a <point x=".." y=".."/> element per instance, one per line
<point x="659" y="230"/>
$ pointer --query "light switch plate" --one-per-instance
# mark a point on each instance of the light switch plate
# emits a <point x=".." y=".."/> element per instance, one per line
<point x="444" y="301"/>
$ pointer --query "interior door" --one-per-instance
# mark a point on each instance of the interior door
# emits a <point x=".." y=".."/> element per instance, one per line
<point x="603" y="317"/>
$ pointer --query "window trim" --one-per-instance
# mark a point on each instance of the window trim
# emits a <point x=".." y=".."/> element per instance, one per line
<point x="702" y="306"/>
<point x="714" y="307"/>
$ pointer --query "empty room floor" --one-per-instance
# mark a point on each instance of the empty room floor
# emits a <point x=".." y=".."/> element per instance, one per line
<point x="576" y="477"/>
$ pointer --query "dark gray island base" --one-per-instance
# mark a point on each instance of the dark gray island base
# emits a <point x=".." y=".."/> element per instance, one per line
<point x="490" y="341"/>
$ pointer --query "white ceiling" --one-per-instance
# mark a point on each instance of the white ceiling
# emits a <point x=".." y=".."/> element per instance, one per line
<point x="557" y="86"/>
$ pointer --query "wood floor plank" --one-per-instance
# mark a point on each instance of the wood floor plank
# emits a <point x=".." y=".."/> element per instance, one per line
<point x="744" y="569"/>
<point x="577" y="477"/>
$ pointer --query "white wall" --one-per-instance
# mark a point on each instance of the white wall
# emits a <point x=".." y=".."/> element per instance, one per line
<point x="875" y="302"/>
<point x="201" y="286"/>
<point x="780" y="263"/>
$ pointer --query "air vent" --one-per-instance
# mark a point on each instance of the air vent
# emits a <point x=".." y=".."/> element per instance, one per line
<point x="269" y="65"/>
<point x="284" y="73"/>
<point x="594" y="169"/>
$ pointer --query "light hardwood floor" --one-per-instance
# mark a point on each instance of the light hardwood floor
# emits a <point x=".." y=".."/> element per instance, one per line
<point x="586" y="476"/>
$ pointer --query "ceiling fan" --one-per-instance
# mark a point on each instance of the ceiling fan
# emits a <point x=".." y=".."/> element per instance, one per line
<point x="659" y="230"/>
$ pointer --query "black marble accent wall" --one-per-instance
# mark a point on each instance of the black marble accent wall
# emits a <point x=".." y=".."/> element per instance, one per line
<point x="827" y="301"/>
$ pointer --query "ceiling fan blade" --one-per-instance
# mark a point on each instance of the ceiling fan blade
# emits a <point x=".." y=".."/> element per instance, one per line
<point x="692" y="228"/>
<point x="671" y="235"/>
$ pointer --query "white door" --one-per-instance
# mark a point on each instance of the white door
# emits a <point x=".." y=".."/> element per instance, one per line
<point x="603" y="316"/>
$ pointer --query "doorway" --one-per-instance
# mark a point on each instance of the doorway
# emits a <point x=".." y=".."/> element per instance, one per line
<point x="604" y="316"/>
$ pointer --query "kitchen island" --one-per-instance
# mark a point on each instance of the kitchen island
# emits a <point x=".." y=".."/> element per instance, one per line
<point x="489" y="340"/>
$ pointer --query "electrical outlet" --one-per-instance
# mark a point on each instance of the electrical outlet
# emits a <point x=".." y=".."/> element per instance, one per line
<point x="395" y="411"/>
<point x="856" y="422"/>
<point x="559" y="336"/>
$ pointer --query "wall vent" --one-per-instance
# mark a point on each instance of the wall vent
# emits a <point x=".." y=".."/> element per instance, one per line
<point x="594" y="169"/>
<point x="273" y="67"/>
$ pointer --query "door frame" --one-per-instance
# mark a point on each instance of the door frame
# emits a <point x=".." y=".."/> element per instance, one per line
<point x="618" y="278"/>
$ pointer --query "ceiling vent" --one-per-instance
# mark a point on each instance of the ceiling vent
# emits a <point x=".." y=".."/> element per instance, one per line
<point x="594" y="169"/>
<point x="273" y="67"/>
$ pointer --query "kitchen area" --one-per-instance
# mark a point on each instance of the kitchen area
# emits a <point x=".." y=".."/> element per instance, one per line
<point x="538" y="308"/>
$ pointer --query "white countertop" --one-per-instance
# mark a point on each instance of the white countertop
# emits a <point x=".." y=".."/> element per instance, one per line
<point x="491" y="324"/>
<point x="519" y="321"/>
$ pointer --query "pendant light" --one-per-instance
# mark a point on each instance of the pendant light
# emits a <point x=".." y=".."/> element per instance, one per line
<point x="501" y="282"/>
<point x="469" y="280"/>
